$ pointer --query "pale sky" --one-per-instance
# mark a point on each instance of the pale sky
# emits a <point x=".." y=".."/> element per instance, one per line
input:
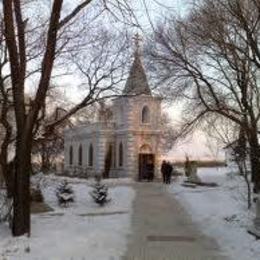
<point x="151" y="11"/>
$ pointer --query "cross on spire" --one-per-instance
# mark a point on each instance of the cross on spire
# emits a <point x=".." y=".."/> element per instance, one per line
<point x="137" y="39"/>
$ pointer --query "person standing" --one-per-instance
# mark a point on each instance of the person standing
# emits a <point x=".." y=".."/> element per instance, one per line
<point x="164" y="170"/>
<point x="168" y="173"/>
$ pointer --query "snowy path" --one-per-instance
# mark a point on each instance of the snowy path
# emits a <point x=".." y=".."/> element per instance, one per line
<point x="163" y="230"/>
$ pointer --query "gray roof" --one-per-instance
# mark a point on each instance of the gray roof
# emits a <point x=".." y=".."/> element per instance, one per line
<point x="137" y="83"/>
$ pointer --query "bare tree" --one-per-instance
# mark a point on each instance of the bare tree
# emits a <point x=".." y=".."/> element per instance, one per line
<point x="49" y="148"/>
<point x="169" y="133"/>
<point x="20" y="36"/>
<point x="233" y="140"/>
<point x="210" y="59"/>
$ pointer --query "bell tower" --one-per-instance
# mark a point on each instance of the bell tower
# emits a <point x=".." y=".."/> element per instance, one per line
<point x="138" y="115"/>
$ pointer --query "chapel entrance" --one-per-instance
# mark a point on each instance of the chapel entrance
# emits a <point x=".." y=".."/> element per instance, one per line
<point x="146" y="163"/>
<point x="146" y="167"/>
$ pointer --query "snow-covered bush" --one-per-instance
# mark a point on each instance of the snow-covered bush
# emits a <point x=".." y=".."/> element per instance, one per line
<point x="100" y="192"/>
<point x="65" y="194"/>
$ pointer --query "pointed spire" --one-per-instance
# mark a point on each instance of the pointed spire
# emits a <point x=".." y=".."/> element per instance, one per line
<point x="137" y="83"/>
<point x="137" y="39"/>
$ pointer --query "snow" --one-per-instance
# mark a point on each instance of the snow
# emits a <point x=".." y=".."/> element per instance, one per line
<point x="221" y="212"/>
<point x="80" y="231"/>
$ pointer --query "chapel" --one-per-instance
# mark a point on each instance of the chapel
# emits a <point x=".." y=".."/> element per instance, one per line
<point x="127" y="143"/>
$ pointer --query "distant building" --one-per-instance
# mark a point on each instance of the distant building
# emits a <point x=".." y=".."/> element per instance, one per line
<point x="124" y="144"/>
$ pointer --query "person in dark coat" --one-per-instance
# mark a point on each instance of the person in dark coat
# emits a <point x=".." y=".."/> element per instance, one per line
<point x="168" y="173"/>
<point x="164" y="171"/>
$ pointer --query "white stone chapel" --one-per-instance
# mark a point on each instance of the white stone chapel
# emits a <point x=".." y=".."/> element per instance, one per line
<point x="125" y="144"/>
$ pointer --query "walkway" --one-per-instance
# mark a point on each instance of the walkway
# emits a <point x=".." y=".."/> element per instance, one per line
<point x="162" y="230"/>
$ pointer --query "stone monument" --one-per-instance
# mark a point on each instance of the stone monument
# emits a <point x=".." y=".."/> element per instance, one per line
<point x="192" y="174"/>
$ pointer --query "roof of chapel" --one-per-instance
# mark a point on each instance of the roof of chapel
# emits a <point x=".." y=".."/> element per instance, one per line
<point x="137" y="82"/>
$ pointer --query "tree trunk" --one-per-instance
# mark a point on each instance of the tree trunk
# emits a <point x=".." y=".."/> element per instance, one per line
<point x="7" y="170"/>
<point x="3" y="169"/>
<point x="45" y="158"/>
<point x="8" y="173"/>
<point x="248" y="185"/>
<point x="254" y="154"/>
<point x="43" y="161"/>
<point x="21" y="219"/>
<point x="6" y="142"/>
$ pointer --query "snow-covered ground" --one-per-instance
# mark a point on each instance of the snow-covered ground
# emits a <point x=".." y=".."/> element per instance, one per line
<point x="221" y="212"/>
<point x="82" y="231"/>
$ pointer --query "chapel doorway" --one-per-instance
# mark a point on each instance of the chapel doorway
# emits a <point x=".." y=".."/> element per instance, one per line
<point x="146" y="167"/>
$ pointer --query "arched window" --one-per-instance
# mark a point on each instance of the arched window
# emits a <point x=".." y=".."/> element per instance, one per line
<point x="121" y="155"/>
<point x="80" y="155"/>
<point x="90" y="155"/>
<point x="71" y="155"/>
<point x="145" y="115"/>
